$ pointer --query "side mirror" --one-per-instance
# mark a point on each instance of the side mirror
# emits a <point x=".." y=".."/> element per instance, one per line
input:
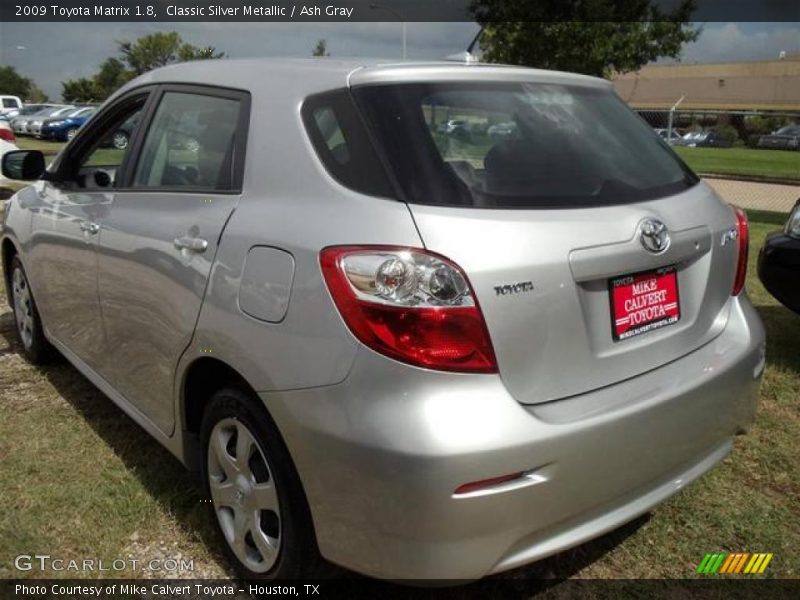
<point x="26" y="165"/>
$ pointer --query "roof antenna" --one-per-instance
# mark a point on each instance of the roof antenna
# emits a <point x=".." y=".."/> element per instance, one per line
<point x="467" y="56"/>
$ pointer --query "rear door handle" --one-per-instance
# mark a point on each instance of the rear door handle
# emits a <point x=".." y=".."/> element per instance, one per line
<point x="90" y="227"/>
<point x="192" y="244"/>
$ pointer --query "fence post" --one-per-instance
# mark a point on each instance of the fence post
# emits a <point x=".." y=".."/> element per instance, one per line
<point x="669" y="121"/>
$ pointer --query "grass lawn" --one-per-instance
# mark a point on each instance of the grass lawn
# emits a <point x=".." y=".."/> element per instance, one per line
<point x="79" y="479"/>
<point x="781" y="164"/>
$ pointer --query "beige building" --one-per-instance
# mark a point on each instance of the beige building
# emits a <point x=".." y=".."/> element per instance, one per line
<point x="769" y="85"/>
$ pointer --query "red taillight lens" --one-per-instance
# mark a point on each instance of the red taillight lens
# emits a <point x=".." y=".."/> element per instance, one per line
<point x="7" y="135"/>
<point x="743" y="239"/>
<point x="410" y="305"/>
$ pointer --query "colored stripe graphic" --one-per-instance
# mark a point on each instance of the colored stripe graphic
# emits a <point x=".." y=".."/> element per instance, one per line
<point x="736" y="562"/>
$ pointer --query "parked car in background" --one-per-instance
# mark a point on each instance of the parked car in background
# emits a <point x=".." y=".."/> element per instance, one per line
<point x="34" y="126"/>
<point x="672" y="138"/>
<point x="785" y="138"/>
<point x="64" y="128"/>
<point x="413" y="370"/>
<point x="6" y="143"/>
<point x="28" y="110"/>
<point x="6" y="133"/>
<point x="9" y="104"/>
<point x="23" y="124"/>
<point x="779" y="262"/>
<point x="502" y="130"/>
<point x="704" y="139"/>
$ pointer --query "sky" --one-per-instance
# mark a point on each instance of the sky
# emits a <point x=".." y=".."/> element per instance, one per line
<point x="49" y="53"/>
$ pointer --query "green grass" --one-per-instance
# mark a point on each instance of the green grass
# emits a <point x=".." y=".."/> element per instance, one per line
<point x="780" y="164"/>
<point x="79" y="479"/>
<point x="48" y="148"/>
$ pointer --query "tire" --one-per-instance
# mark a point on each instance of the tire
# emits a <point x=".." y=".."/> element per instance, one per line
<point x="276" y="538"/>
<point x="28" y="324"/>
<point x="70" y="133"/>
<point x="120" y="140"/>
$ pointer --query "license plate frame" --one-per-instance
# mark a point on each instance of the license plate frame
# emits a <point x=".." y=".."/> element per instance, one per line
<point x="651" y="298"/>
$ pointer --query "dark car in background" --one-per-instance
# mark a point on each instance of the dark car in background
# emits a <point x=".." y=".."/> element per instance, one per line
<point x="710" y="139"/>
<point x="63" y="128"/>
<point x="785" y="138"/>
<point x="779" y="262"/>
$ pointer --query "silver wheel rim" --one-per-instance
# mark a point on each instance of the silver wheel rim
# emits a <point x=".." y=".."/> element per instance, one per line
<point x="120" y="141"/>
<point x="71" y="134"/>
<point x="23" y="307"/>
<point x="243" y="495"/>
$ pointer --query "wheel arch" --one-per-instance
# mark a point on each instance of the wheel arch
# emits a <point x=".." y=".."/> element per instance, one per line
<point x="8" y="250"/>
<point x="201" y="379"/>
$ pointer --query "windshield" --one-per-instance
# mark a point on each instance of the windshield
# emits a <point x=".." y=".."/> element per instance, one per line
<point x="519" y="145"/>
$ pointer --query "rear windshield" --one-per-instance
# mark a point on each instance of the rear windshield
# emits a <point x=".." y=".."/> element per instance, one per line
<point x="518" y="145"/>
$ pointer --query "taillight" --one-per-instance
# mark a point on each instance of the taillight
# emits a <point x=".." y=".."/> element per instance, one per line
<point x="411" y="305"/>
<point x="743" y="239"/>
<point x="7" y="135"/>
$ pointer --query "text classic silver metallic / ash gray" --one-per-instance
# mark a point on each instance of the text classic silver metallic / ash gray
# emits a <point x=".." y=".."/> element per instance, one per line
<point x="425" y="320"/>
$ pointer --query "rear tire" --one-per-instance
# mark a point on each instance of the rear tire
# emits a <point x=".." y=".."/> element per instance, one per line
<point x="28" y="324"/>
<point x="70" y="133"/>
<point x="258" y="502"/>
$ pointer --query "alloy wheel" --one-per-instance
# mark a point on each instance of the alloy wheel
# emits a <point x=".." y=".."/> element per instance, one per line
<point x="244" y="495"/>
<point x="23" y="307"/>
<point x="120" y="140"/>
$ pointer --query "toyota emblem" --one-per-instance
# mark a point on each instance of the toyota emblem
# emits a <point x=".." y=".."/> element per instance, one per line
<point x="654" y="236"/>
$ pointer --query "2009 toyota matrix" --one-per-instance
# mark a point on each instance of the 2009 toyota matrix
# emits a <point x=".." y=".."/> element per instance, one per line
<point x="425" y="320"/>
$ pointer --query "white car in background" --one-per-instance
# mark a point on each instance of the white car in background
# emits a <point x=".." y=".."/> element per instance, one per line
<point x="7" y="139"/>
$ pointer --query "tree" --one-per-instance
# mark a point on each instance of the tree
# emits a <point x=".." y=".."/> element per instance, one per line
<point x="146" y="53"/>
<point x="36" y="95"/>
<point x="14" y="84"/>
<point x="79" y="90"/>
<point x="321" y="49"/>
<point x="160" y="49"/>
<point x="595" y="37"/>
<point x="111" y="76"/>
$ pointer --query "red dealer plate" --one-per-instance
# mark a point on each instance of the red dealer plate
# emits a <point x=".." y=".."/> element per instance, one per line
<point x="644" y="302"/>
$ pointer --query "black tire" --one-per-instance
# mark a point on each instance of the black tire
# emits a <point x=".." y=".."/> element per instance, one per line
<point x="35" y="347"/>
<point x="298" y="555"/>
<point x="70" y="133"/>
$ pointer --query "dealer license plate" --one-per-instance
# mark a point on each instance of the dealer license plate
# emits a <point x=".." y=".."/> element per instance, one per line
<point x="644" y="302"/>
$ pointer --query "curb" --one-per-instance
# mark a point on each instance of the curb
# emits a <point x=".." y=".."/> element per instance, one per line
<point x="751" y="178"/>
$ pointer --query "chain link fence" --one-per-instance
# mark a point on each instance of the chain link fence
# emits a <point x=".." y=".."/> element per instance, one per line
<point x="751" y="158"/>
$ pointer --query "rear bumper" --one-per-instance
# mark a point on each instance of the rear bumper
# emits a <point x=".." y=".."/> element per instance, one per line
<point x="381" y="454"/>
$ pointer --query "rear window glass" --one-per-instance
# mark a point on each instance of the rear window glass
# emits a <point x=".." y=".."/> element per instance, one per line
<point x="342" y="144"/>
<point x="10" y="103"/>
<point x="519" y="145"/>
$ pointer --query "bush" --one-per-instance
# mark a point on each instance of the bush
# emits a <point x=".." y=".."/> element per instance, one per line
<point x="728" y="132"/>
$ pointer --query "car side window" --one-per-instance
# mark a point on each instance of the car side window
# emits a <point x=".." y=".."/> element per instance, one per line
<point x="99" y="166"/>
<point x="190" y="143"/>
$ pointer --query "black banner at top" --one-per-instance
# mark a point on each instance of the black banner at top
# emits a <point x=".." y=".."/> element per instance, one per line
<point x="367" y="10"/>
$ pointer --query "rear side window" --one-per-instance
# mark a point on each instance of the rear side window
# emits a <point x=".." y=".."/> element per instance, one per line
<point x="519" y="145"/>
<point x="10" y="103"/>
<point x="342" y="144"/>
<point x="190" y="143"/>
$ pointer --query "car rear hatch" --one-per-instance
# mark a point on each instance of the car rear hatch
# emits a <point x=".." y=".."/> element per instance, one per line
<point x="558" y="226"/>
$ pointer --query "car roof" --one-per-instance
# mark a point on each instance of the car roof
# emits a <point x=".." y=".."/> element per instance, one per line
<point x="305" y="76"/>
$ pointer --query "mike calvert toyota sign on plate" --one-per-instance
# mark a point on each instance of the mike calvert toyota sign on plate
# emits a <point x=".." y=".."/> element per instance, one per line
<point x="643" y="302"/>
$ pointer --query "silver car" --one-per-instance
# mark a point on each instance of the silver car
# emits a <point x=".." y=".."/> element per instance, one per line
<point x="415" y="355"/>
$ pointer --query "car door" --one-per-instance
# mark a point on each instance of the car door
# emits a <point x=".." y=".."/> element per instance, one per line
<point x="159" y="236"/>
<point x="65" y="227"/>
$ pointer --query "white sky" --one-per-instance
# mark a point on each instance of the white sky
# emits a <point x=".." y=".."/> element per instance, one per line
<point x="51" y="52"/>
